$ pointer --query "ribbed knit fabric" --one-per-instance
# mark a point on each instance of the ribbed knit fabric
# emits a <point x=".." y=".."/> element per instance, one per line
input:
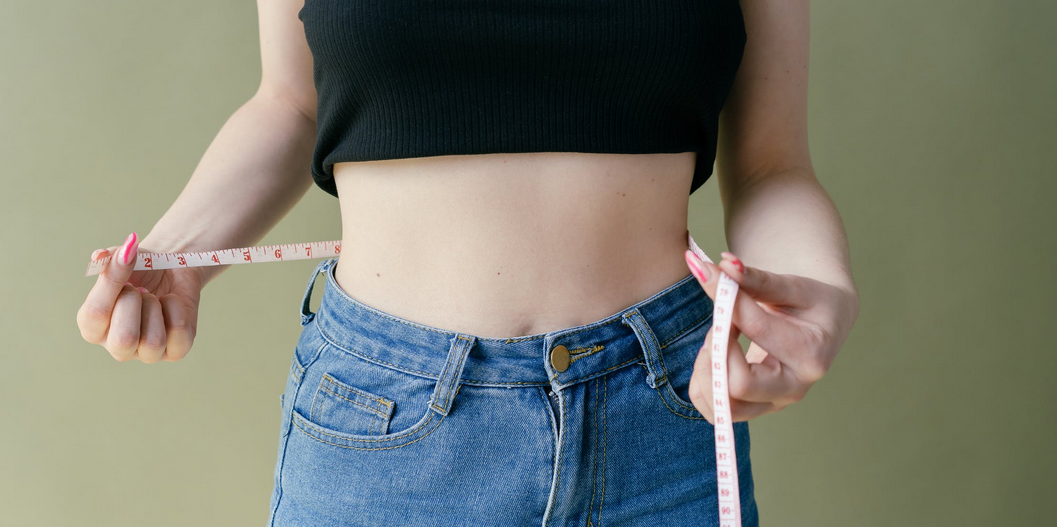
<point x="419" y="78"/>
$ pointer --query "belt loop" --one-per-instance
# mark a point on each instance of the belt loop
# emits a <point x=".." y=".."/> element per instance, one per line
<point x="448" y="383"/>
<point x="651" y="349"/>
<point x="306" y="314"/>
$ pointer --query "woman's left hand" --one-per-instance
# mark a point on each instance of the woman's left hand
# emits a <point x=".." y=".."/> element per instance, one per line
<point x="796" y="325"/>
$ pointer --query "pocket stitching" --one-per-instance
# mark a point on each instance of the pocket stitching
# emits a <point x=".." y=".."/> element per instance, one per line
<point x="331" y="381"/>
<point x="309" y="427"/>
<point x="691" y="411"/>
<point x="677" y="399"/>
<point x="693" y="325"/>
<point x="666" y="391"/>
<point x="300" y="419"/>
<point x="376" y="360"/>
<point x="297" y="369"/>
<point x="379" y="415"/>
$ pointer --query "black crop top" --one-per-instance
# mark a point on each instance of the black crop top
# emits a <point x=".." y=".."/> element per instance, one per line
<point x="418" y="78"/>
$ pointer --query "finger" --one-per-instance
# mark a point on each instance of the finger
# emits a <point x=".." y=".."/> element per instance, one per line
<point x="179" y="327"/>
<point x="740" y="409"/>
<point x="152" y="335"/>
<point x="103" y="253"/>
<point x="95" y="313"/>
<point x="122" y="338"/>
<point x="756" y="354"/>
<point x="765" y="286"/>
<point x="702" y="389"/>
<point x="701" y="273"/>
<point x="743" y="411"/>
<point x="765" y="382"/>
<point x="781" y="334"/>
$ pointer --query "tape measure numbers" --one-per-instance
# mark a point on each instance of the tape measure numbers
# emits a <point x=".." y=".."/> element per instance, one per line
<point x="726" y="457"/>
<point x="726" y="292"/>
<point x="243" y="255"/>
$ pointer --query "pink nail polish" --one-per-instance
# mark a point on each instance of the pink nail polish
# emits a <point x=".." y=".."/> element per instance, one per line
<point x="694" y="267"/>
<point x="127" y="248"/>
<point x="734" y="260"/>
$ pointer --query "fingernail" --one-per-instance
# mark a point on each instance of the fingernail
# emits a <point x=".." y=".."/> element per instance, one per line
<point x="142" y="289"/>
<point x="126" y="249"/>
<point x="734" y="260"/>
<point x="695" y="267"/>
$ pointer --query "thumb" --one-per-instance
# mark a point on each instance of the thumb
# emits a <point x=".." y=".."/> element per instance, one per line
<point x="118" y="270"/>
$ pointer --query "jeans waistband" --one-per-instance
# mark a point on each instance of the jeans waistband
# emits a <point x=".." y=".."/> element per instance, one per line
<point x="636" y="333"/>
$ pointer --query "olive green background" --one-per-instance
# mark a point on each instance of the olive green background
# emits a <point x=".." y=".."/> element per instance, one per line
<point x="931" y="124"/>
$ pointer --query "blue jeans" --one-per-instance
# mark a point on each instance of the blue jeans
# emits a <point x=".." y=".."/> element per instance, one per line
<point x="389" y="422"/>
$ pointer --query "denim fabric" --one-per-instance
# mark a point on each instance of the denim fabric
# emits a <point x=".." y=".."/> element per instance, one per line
<point x="390" y="422"/>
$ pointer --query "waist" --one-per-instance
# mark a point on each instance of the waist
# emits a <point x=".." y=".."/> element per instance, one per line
<point x="362" y="330"/>
<point x="512" y="244"/>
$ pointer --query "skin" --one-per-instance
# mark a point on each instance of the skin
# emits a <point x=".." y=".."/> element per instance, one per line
<point x="506" y="245"/>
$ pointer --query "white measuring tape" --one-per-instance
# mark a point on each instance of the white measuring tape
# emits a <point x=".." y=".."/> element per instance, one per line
<point x="242" y="255"/>
<point x="726" y="457"/>
<point x="723" y="310"/>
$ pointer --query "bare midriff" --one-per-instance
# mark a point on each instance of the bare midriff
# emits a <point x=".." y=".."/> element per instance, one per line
<point x="509" y="245"/>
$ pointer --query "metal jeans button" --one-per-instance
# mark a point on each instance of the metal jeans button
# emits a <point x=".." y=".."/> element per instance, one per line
<point x="560" y="357"/>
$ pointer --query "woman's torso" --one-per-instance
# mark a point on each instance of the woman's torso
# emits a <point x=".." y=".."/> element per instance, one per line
<point x="505" y="245"/>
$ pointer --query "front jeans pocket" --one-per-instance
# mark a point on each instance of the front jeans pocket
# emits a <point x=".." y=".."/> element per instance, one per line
<point x="678" y="359"/>
<point x="340" y="406"/>
<point x="357" y="403"/>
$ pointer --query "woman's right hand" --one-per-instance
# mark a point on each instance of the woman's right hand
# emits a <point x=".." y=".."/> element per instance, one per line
<point x="147" y="315"/>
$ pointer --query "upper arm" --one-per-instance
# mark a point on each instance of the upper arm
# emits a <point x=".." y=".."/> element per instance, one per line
<point x="286" y="61"/>
<point x="763" y="124"/>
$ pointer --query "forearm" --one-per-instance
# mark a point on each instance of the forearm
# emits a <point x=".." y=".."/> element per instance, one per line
<point x="786" y="223"/>
<point x="251" y="175"/>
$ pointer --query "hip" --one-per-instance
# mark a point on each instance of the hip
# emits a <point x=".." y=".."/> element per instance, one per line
<point x="385" y="421"/>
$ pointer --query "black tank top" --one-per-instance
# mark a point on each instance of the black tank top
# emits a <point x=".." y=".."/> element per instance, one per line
<point x="418" y="78"/>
